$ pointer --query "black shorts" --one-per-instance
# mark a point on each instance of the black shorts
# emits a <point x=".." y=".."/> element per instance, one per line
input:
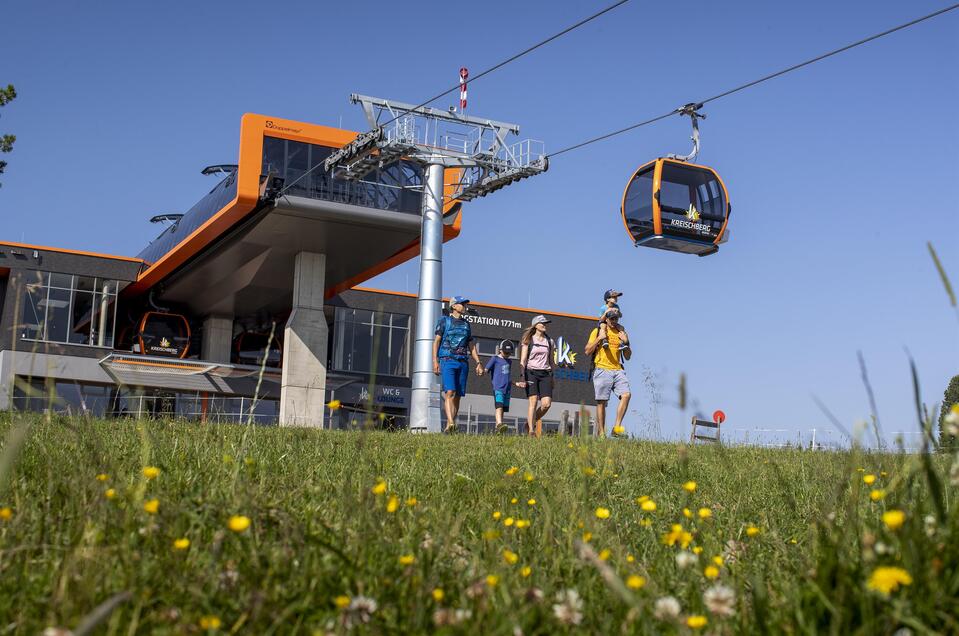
<point x="539" y="383"/>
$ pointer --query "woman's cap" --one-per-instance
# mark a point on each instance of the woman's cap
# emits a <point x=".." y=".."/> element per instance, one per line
<point x="540" y="319"/>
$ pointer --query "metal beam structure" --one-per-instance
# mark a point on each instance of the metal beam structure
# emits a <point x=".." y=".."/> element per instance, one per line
<point x="436" y="139"/>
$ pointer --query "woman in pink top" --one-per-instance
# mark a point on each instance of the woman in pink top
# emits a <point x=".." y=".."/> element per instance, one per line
<point x="536" y="364"/>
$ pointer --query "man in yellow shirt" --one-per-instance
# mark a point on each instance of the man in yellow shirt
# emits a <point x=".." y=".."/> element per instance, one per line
<point x="609" y="376"/>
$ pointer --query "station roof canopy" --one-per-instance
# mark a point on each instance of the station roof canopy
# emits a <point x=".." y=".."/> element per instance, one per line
<point x="234" y="251"/>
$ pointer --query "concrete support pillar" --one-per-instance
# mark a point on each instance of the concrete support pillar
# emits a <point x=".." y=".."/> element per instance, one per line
<point x="217" y="338"/>
<point x="303" y="387"/>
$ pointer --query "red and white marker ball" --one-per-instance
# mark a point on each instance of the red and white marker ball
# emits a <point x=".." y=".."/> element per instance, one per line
<point x="719" y="417"/>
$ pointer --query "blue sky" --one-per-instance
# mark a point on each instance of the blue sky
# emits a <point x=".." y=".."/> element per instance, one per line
<point x="838" y="173"/>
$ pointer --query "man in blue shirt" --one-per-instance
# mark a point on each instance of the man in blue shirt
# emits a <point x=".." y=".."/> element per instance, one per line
<point x="452" y="346"/>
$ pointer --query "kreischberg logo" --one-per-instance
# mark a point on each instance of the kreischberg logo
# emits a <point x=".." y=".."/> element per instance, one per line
<point x="563" y="354"/>
<point x="273" y="126"/>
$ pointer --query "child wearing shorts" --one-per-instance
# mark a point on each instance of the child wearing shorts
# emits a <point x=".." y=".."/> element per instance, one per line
<point x="500" y="368"/>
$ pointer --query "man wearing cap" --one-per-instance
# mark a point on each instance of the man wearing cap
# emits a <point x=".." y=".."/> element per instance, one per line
<point x="452" y="346"/>
<point x="608" y="345"/>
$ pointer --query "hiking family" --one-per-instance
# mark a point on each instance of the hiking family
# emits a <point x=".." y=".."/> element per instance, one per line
<point x="607" y="347"/>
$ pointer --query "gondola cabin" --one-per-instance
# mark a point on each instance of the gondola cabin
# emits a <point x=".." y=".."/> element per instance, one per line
<point x="163" y="334"/>
<point x="250" y="346"/>
<point x="678" y="206"/>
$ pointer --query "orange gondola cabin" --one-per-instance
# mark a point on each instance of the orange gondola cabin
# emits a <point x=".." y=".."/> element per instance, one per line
<point x="674" y="205"/>
<point x="164" y="334"/>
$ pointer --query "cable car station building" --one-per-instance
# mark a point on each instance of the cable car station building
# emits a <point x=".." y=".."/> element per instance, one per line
<point x="246" y="306"/>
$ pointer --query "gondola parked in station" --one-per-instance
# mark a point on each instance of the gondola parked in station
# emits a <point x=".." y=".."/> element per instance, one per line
<point x="672" y="204"/>
<point x="250" y="346"/>
<point x="163" y="334"/>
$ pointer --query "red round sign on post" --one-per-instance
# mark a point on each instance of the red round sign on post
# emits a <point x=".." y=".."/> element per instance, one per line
<point x="719" y="417"/>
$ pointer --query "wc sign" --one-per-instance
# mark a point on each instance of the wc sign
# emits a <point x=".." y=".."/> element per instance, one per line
<point x="384" y="395"/>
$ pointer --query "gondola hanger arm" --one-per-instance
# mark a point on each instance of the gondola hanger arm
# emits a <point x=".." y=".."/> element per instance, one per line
<point x="690" y="110"/>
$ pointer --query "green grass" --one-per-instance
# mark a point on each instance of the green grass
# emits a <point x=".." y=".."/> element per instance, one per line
<point x="319" y="532"/>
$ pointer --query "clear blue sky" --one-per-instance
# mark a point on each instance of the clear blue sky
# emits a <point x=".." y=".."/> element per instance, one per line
<point x="838" y="173"/>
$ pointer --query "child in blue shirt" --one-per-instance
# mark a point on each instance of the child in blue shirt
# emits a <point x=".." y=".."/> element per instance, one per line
<point x="500" y="368"/>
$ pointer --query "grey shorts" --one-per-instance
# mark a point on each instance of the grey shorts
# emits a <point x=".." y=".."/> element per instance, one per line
<point x="606" y="381"/>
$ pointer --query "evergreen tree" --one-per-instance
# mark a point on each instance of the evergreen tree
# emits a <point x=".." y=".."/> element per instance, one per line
<point x="950" y="397"/>
<point x="7" y="95"/>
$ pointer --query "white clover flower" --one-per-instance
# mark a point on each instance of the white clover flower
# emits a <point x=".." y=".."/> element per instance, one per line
<point x="569" y="607"/>
<point x="667" y="608"/>
<point x="720" y="600"/>
<point x="929" y="522"/>
<point x="685" y="559"/>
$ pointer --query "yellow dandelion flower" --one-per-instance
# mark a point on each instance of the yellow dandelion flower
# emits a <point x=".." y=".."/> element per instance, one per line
<point x="528" y="476"/>
<point x="210" y="622"/>
<point x="379" y="488"/>
<point x="531" y="502"/>
<point x="711" y="572"/>
<point x="640" y="500"/>
<point x="646" y="522"/>
<point x="877" y="494"/>
<point x="602" y="513"/>
<point x="687" y="513"/>
<point x="512" y="470"/>
<point x="103" y="477"/>
<point x="497" y="514"/>
<point x="492" y="580"/>
<point x="589" y="471"/>
<point x="894" y="519"/>
<point x="342" y="601"/>
<point x="508" y="521"/>
<point x="151" y="472"/>
<point x="407" y="559"/>
<point x="619" y="430"/>
<point x="522" y="523"/>
<point x="705" y="513"/>
<point x="635" y="582"/>
<point x="883" y="473"/>
<point x="793" y="541"/>
<point x="630" y="558"/>
<point x="587" y="537"/>
<point x="491" y="535"/>
<point x="869" y="480"/>
<point x="238" y="523"/>
<point x="570" y="445"/>
<point x="181" y="544"/>
<point x="697" y="550"/>
<point x="887" y="579"/>
<point x="604" y="554"/>
<point x="6" y="513"/>
<point x="648" y="506"/>
<point x="151" y="506"/>
<point x="510" y="557"/>
<point x="718" y="560"/>
<point x="110" y="493"/>
<point x="393" y="504"/>
<point x="752" y="531"/>
<point x="412" y="502"/>
<point x="689" y="486"/>
<point x="697" y="621"/>
<point x="334" y="405"/>
<point x="526" y="571"/>
<point x="438" y="594"/>
<point x="514" y="500"/>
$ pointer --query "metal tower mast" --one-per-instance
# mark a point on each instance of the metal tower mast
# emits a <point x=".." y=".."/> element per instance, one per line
<point x="436" y="139"/>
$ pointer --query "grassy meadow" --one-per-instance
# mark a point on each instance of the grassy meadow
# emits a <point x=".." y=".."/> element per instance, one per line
<point x="114" y="527"/>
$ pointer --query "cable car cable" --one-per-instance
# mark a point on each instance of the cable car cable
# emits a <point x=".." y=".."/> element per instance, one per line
<point x="485" y="72"/>
<point x="517" y="56"/>
<point x="699" y="104"/>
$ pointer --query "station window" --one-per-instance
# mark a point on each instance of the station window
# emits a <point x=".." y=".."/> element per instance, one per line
<point x="373" y="342"/>
<point x="490" y="347"/>
<point x="79" y="310"/>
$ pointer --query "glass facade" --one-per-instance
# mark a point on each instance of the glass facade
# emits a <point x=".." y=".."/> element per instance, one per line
<point x="299" y="165"/>
<point x="213" y="202"/>
<point x="365" y="341"/>
<point x="78" y="310"/>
